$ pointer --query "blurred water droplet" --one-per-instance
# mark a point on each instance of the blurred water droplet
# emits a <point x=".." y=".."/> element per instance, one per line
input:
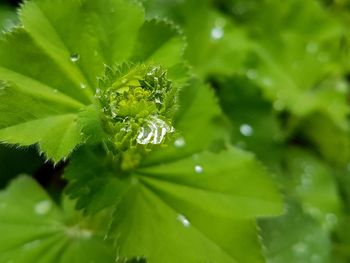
<point x="246" y="130"/>
<point x="43" y="207"/>
<point x="183" y="220"/>
<point x="217" y="33"/>
<point x="341" y="87"/>
<point x="198" y="169"/>
<point x="306" y="181"/>
<point x="83" y="86"/>
<point x="74" y="57"/>
<point x="180" y="142"/>
<point x="316" y="258"/>
<point x="299" y="248"/>
<point x="77" y="232"/>
<point x="311" y="48"/>
<point x="267" y="82"/>
<point x="251" y="74"/>
<point x="314" y="212"/>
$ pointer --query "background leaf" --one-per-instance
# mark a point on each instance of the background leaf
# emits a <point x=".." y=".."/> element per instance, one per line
<point x="34" y="229"/>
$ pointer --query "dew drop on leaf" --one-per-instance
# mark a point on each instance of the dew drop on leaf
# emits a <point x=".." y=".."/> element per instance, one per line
<point x="183" y="220"/>
<point x="311" y="48"/>
<point x="246" y="130"/>
<point x="299" y="248"/>
<point x="251" y="74"/>
<point x="74" y="57"/>
<point x="267" y="82"/>
<point x="83" y="86"/>
<point x="331" y="219"/>
<point x="180" y="142"/>
<point x="43" y="207"/>
<point x="316" y="258"/>
<point x="217" y="33"/>
<point x="198" y="169"/>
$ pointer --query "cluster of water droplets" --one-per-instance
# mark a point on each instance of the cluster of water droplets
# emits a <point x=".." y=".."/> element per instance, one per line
<point x="137" y="103"/>
<point x="154" y="131"/>
<point x="217" y="32"/>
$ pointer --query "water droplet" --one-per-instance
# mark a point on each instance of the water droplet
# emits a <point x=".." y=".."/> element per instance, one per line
<point x="198" y="169"/>
<point x="74" y="57"/>
<point x="267" y="82"/>
<point x="314" y="212"/>
<point x="251" y="74"/>
<point x="158" y="101"/>
<point x="246" y="130"/>
<point x="217" y="33"/>
<point x="306" y="181"/>
<point x="77" y="232"/>
<point x="299" y="248"/>
<point x="43" y="207"/>
<point x="180" y="142"/>
<point x="183" y="220"/>
<point x="341" y="87"/>
<point x="311" y="47"/>
<point x="154" y="131"/>
<point x="83" y="86"/>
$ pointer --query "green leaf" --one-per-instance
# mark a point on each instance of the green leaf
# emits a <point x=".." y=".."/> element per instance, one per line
<point x="254" y="124"/>
<point x="336" y="148"/>
<point x="96" y="32"/>
<point x="56" y="129"/>
<point x="69" y="44"/>
<point x="145" y="225"/>
<point x="216" y="183"/>
<point x="312" y="182"/>
<point x="34" y="229"/>
<point x="295" y="237"/>
<point x="172" y="206"/>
